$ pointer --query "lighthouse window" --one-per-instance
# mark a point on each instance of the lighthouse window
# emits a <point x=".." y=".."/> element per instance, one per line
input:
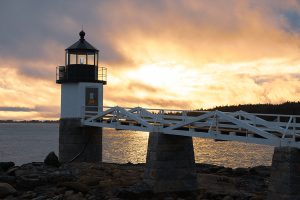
<point x="91" y="97"/>
<point x="72" y="58"/>
<point x="91" y="59"/>
<point x="81" y="59"/>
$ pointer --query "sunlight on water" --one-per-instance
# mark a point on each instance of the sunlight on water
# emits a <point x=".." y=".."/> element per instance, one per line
<point x="232" y="154"/>
<point x="23" y="143"/>
<point x="130" y="146"/>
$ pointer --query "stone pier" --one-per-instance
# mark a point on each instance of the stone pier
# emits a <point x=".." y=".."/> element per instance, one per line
<point x="75" y="140"/>
<point x="170" y="163"/>
<point x="285" y="174"/>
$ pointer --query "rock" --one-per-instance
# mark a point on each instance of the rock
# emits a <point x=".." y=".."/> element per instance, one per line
<point x="11" y="171"/>
<point x="241" y="171"/>
<point x="224" y="171"/>
<point x="40" y="198"/>
<point x="228" y="198"/>
<point x="30" y="181"/>
<point x="79" y="187"/>
<point x="89" y="180"/>
<point x="169" y="198"/>
<point x="69" y="193"/>
<point x="52" y="160"/>
<point x="60" y="176"/>
<point x="135" y="191"/>
<point x="262" y="171"/>
<point x="77" y="196"/>
<point x="7" y="179"/>
<point x="20" y="172"/>
<point x="58" y="197"/>
<point x="29" y="195"/>
<point x="91" y="197"/>
<point x="129" y="163"/>
<point x="122" y="181"/>
<point x="6" y="189"/>
<point x="105" y="183"/>
<point x="4" y="166"/>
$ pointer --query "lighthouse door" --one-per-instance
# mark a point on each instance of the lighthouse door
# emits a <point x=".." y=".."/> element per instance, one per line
<point x="91" y="100"/>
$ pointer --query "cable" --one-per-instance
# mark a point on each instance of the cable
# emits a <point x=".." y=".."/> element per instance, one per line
<point x="81" y="150"/>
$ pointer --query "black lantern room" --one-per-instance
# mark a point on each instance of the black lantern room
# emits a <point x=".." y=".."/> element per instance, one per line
<point x="81" y="64"/>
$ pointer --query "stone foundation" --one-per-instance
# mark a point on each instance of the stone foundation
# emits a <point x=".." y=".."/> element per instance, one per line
<point x="285" y="174"/>
<point x="170" y="164"/>
<point x="74" y="139"/>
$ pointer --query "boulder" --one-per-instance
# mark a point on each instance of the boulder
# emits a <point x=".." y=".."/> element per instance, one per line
<point x="52" y="160"/>
<point x="135" y="192"/>
<point x="31" y="181"/>
<point x="40" y="198"/>
<point x="60" y="176"/>
<point x="89" y="180"/>
<point x="11" y="171"/>
<point x="8" y="179"/>
<point x="6" y="189"/>
<point x="79" y="187"/>
<point x="77" y="196"/>
<point x="29" y="195"/>
<point x="4" y="166"/>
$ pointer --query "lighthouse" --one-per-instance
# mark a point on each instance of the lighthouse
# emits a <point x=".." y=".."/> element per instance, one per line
<point x="82" y="82"/>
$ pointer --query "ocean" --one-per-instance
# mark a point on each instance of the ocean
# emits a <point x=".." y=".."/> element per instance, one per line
<point x="31" y="142"/>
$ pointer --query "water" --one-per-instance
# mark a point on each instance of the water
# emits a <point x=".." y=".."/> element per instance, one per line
<point x="23" y="143"/>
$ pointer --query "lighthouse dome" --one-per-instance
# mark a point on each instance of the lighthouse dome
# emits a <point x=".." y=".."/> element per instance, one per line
<point x="82" y="45"/>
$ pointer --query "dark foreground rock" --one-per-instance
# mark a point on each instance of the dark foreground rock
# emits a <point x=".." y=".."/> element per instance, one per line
<point x="52" y="160"/>
<point x="6" y="189"/>
<point x="125" y="181"/>
<point x="4" y="166"/>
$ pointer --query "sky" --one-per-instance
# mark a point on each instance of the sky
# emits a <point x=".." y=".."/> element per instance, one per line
<point x="175" y="54"/>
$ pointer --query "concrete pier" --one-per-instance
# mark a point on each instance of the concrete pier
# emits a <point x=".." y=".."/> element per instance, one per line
<point x="170" y="164"/>
<point x="75" y="140"/>
<point x="285" y="174"/>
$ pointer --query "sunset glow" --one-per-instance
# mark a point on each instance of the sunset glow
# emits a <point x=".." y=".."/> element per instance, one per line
<point x="160" y="54"/>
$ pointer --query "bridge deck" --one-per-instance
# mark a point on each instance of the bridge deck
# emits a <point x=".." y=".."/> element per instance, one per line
<point x="268" y="129"/>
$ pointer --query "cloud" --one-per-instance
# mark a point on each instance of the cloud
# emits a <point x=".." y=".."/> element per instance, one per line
<point x="16" y="109"/>
<point x="33" y="72"/>
<point x="171" y="53"/>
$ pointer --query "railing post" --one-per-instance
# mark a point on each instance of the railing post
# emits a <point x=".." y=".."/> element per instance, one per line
<point x="294" y="128"/>
<point x="240" y="118"/>
<point x="184" y="114"/>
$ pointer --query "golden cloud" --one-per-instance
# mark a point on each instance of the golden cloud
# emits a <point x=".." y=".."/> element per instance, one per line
<point x="170" y="54"/>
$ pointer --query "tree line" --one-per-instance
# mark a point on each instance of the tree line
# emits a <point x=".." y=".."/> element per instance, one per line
<point x="287" y="108"/>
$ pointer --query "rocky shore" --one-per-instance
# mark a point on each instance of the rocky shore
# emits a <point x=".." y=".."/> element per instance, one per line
<point x="50" y="180"/>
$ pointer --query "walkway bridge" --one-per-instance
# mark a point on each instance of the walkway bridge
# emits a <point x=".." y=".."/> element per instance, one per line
<point x="267" y="129"/>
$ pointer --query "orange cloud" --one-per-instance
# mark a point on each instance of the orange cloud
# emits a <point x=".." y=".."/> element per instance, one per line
<point x="168" y="54"/>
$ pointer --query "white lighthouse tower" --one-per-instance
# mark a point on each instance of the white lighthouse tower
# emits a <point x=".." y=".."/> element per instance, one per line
<point x="82" y="84"/>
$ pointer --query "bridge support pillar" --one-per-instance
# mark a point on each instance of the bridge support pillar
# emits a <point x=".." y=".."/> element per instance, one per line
<point x="84" y="143"/>
<point x="285" y="174"/>
<point x="170" y="163"/>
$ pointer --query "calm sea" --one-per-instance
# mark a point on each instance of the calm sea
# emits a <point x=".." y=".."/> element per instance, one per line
<point x="23" y="143"/>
